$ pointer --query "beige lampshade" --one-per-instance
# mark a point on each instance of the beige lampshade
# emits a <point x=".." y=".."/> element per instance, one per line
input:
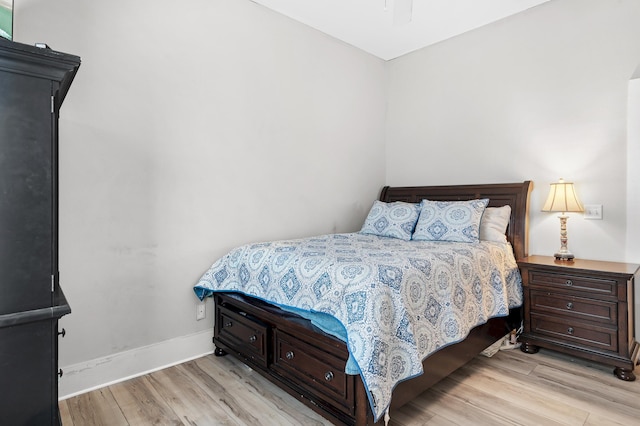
<point x="562" y="198"/>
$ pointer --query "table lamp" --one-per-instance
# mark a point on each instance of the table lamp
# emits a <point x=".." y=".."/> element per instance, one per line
<point x="562" y="198"/>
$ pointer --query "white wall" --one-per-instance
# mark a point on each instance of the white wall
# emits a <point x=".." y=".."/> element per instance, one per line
<point x="633" y="183"/>
<point x="633" y="173"/>
<point x="191" y="128"/>
<point x="539" y="96"/>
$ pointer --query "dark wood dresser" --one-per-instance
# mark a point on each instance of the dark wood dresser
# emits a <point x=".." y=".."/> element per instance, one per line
<point x="33" y="85"/>
<point x="583" y="308"/>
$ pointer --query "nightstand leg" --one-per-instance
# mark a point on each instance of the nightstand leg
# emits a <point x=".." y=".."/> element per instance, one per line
<point x="624" y="374"/>
<point x="528" y="348"/>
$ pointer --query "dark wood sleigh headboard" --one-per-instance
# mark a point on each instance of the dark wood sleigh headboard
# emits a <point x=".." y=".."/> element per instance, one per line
<point x="515" y="195"/>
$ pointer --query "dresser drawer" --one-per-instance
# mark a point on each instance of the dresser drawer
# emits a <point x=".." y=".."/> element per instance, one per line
<point x="575" y="332"/>
<point x="594" y="286"/>
<point x="317" y="371"/>
<point x="243" y="334"/>
<point x="571" y="306"/>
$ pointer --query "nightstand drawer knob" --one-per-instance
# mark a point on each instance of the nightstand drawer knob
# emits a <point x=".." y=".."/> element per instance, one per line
<point x="289" y="355"/>
<point x="569" y="305"/>
<point x="253" y="339"/>
<point x="570" y="330"/>
<point x="569" y="283"/>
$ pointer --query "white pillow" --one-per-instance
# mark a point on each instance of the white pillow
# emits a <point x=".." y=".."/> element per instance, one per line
<point x="450" y="220"/>
<point x="396" y="220"/>
<point x="493" y="225"/>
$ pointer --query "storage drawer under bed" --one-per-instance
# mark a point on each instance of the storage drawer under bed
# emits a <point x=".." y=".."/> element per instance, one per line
<point x="302" y="363"/>
<point x="244" y="334"/>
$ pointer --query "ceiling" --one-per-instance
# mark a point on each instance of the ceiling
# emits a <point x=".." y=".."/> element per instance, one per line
<point x="392" y="28"/>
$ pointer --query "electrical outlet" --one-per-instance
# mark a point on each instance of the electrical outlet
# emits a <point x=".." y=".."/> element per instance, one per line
<point x="593" y="211"/>
<point x="201" y="311"/>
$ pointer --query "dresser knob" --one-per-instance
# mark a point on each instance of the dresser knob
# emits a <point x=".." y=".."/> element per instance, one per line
<point x="289" y="355"/>
<point x="328" y="376"/>
<point x="253" y="339"/>
<point x="62" y="333"/>
<point x="569" y="305"/>
<point x="228" y="324"/>
<point x="60" y="372"/>
<point x="570" y="330"/>
<point x="569" y="283"/>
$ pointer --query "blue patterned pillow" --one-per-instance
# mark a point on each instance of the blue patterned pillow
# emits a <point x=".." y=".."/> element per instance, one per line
<point x="395" y="220"/>
<point x="450" y="220"/>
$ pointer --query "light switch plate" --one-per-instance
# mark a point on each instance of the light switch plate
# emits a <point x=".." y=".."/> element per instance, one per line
<point x="593" y="211"/>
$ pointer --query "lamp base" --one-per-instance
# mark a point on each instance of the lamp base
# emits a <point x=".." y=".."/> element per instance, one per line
<point x="563" y="254"/>
<point x="566" y="256"/>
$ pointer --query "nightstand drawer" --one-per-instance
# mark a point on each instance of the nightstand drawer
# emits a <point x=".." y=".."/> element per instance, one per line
<point x="575" y="332"/>
<point x="574" y="307"/>
<point x="595" y="286"/>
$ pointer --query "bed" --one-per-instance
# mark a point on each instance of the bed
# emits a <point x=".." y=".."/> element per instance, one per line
<point x="331" y="319"/>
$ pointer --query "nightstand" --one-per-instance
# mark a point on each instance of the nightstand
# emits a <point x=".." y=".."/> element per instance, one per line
<point x="583" y="308"/>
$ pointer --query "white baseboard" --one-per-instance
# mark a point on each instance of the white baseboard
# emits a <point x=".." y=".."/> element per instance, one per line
<point x="97" y="373"/>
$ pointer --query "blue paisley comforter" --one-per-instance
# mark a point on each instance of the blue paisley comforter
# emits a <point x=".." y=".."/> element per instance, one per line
<point x="398" y="301"/>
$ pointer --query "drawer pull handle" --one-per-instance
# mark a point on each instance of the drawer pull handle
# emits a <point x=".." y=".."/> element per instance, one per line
<point x="570" y="330"/>
<point x="60" y="372"/>
<point x="289" y="355"/>
<point x="62" y="333"/>
<point x="328" y="376"/>
<point x="228" y="324"/>
<point x="569" y="305"/>
<point x="253" y="339"/>
<point x="569" y="283"/>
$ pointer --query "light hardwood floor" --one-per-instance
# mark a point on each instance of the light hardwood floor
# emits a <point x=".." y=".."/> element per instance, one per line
<point x="511" y="388"/>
